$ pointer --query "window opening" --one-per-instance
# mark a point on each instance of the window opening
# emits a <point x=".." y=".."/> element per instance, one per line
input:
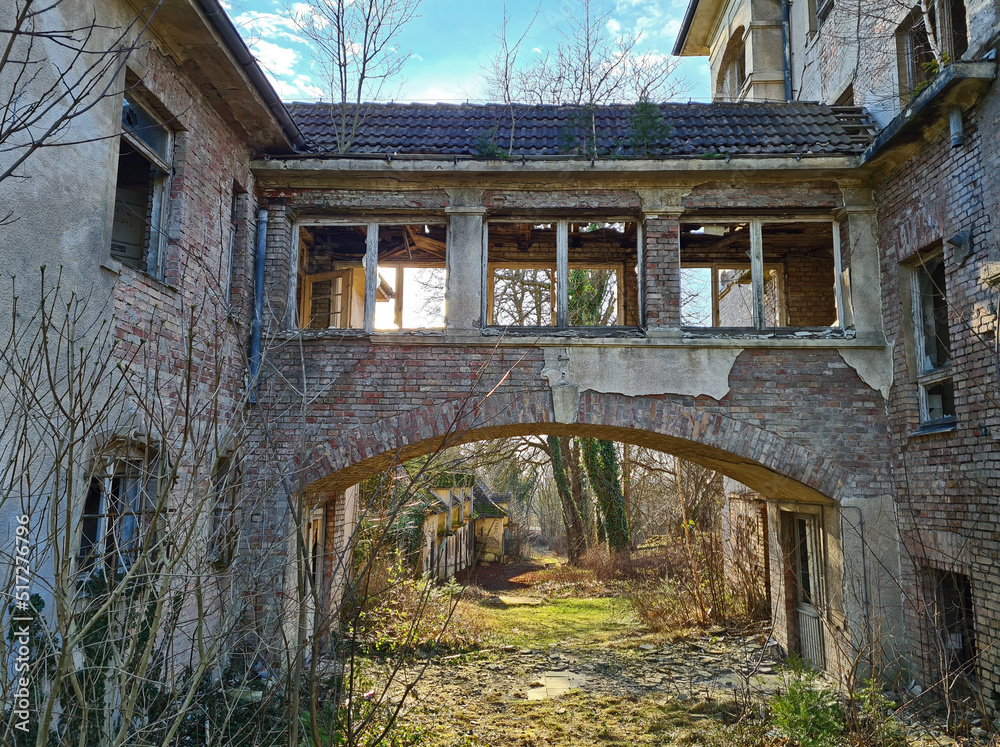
<point x="601" y="268"/>
<point x="797" y="286"/>
<point x="955" y="620"/>
<point x="330" y="293"/>
<point x="119" y="513"/>
<point x="411" y="269"/>
<point x="522" y="272"/>
<point x="933" y="341"/>
<point x="224" y="533"/>
<point x="140" y="188"/>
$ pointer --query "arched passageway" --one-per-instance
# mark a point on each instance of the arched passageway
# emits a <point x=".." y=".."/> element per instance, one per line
<point x="768" y="463"/>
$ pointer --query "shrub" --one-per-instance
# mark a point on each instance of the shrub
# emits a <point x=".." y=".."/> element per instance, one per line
<point x="807" y="713"/>
<point x="870" y="718"/>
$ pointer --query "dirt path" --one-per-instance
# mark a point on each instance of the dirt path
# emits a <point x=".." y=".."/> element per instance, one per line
<point x="567" y="666"/>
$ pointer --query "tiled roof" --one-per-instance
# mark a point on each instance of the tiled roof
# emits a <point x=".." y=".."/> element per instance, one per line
<point x="716" y="129"/>
<point x="487" y="507"/>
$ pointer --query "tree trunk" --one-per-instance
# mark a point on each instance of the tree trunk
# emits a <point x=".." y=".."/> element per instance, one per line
<point x="602" y="469"/>
<point x="576" y="540"/>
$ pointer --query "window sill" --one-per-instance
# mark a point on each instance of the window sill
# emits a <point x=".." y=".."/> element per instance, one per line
<point x="945" y="425"/>
<point x="145" y="276"/>
<point x="584" y="332"/>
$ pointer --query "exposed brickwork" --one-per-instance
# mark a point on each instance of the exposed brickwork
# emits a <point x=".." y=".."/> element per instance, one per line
<point x="947" y="483"/>
<point x="735" y="196"/>
<point x="661" y="259"/>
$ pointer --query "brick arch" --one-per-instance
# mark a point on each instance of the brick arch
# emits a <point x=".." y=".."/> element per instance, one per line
<point x="771" y="464"/>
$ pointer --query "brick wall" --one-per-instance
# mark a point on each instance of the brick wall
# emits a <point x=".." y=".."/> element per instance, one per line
<point x="946" y="483"/>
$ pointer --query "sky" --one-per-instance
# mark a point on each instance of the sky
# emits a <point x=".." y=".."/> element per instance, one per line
<point x="451" y="40"/>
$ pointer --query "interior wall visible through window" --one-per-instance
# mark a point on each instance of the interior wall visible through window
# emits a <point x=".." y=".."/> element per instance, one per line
<point x="797" y="287"/>
<point x="332" y="281"/>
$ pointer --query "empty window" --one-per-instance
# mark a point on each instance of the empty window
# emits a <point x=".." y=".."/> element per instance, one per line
<point x="140" y="189"/>
<point x="408" y="289"/>
<point x="599" y="258"/>
<point x="797" y="278"/>
<point x="224" y="532"/>
<point x="120" y="510"/>
<point x="954" y="621"/>
<point x="932" y="341"/>
<point x="411" y="265"/>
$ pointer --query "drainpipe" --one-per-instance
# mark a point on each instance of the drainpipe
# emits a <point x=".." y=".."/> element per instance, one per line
<point x="786" y="45"/>
<point x="260" y="259"/>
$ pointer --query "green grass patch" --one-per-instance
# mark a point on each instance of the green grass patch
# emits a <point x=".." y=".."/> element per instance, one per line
<point x="598" y="620"/>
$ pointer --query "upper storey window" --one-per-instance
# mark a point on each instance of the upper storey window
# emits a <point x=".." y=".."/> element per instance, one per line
<point x="732" y="74"/>
<point x="926" y="42"/>
<point x="759" y="275"/>
<point x="562" y="273"/>
<point x="144" y="155"/>
<point x="405" y="290"/>
<point x="932" y="341"/>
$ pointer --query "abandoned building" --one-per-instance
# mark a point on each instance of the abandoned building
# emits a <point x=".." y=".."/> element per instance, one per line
<point x="795" y="287"/>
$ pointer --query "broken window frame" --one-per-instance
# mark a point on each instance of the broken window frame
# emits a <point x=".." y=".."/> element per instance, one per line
<point x="130" y="473"/>
<point x="716" y="267"/>
<point x="142" y="140"/>
<point x="758" y="267"/>
<point x="561" y="269"/>
<point x="929" y="376"/>
<point x="223" y="538"/>
<point x="295" y="307"/>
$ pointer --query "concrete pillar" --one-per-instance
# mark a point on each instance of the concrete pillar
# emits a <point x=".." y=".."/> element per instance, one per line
<point x="861" y="277"/>
<point x="464" y="263"/>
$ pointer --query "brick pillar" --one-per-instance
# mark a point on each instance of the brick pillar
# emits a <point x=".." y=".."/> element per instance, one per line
<point x="464" y="262"/>
<point x="279" y="272"/>
<point x="662" y="277"/>
<point x="861" y="279"/>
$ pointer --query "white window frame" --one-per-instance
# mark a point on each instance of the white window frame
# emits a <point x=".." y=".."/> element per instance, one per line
<point x="141" y="472"/>
<point x="154" y="248"/>
<point x="928" y="377"/>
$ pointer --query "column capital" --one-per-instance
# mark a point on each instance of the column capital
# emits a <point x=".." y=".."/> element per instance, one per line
<point x="668" y="201"/>
<point x="857" y="200"/>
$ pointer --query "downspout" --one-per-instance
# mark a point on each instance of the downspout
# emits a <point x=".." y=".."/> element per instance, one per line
<point x="260" y="259"/>
<point x="786" y="45"/>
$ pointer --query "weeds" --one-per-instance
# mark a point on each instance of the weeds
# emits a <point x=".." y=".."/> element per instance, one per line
<point x="807" y="713"/>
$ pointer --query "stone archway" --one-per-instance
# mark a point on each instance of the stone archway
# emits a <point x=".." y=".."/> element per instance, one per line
<point x="770" y="464"/>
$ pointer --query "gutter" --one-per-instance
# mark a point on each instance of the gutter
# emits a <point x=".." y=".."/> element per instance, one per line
<point x="786" y="46"/>
<point x="224" y="26"/>
<point x="256" y="330"/>
<point x="685" y="28"/>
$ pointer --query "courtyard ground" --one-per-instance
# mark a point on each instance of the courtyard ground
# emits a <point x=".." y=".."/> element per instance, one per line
<point x="563" y="662"/>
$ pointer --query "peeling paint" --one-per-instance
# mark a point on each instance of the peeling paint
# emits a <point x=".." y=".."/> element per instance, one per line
<point x="637" y="372"/>
<point x="874" y="367"/>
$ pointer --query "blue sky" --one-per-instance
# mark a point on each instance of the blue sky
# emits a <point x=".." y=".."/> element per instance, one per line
<point x="450" y="42"/>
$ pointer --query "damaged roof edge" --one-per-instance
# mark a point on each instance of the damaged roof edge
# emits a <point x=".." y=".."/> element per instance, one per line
<point x="958" y="84"/>
<point x="682" y="34"/>
<point x="224" y="25"/>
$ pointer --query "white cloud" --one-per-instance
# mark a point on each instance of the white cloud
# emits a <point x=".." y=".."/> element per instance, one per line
<point x="614" y="26"/>
<point x="259" y="25"/>
<point x="278" y="60"/>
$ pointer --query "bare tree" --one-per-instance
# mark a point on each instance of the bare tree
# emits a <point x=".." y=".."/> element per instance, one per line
<point x="53" y="72"/>
<point x="355" y="44"/>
